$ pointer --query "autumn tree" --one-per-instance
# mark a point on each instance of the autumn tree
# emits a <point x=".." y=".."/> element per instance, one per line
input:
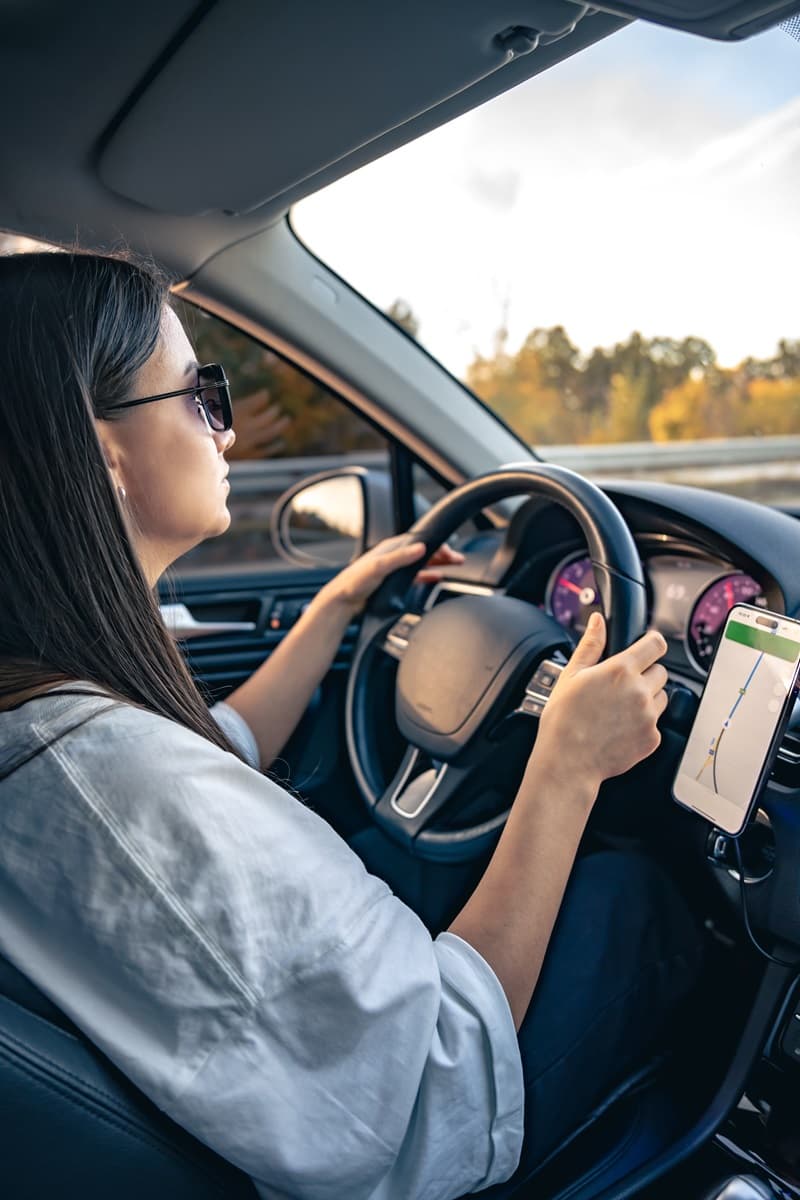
<point x="402" y="314"/>
<point x="772" y="406"/>
<point x="783" y="365"/>
<point x="533" y="389"/>
<point x="709" y="405"/>
<point x="661" y="388"/>
<point x="627" y="410"/>
<point x="318" y="422"/>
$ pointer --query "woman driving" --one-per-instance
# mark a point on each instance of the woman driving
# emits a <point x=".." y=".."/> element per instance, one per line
<point x="212" y="936"/>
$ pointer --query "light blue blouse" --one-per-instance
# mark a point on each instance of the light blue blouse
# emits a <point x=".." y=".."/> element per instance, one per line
<point x="229" y="952"/>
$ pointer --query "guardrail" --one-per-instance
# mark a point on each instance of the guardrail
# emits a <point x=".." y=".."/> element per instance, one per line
<point x="763" y="469"/>
<point x="766" y="468"/>
<point x="645" y="457"/>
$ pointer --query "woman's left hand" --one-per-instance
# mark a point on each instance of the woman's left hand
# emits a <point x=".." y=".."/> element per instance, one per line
<point x="353" y="586"/>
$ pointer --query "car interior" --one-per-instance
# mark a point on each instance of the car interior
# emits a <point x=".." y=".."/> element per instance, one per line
<point x="118" y="135"/>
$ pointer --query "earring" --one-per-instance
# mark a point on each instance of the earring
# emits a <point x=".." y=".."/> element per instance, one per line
<point x="123" y="495"/>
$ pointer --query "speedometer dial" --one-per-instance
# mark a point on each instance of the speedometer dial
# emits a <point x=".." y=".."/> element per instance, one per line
<point x="713" y="607"/>
<point x="572" y="593"/>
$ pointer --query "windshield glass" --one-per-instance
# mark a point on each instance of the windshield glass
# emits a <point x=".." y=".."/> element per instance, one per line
<point x="607" y="255"/>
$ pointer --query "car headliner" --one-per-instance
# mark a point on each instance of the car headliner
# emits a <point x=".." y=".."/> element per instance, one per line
<point x="179" y="128"/>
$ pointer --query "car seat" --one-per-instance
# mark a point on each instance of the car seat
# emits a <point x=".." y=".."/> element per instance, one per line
<point x="73" y="1125"/>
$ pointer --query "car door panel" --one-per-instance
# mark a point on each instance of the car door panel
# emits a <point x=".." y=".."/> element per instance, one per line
<point x="315" y="760"/>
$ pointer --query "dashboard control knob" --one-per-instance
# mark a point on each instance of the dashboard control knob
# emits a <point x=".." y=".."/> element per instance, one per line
<point x="681" y="709"/>
<point x="756" y="846"/>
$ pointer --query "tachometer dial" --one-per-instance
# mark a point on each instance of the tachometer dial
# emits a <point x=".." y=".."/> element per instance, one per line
<point x="572" y="593"/>
<point x="710" y="611"/>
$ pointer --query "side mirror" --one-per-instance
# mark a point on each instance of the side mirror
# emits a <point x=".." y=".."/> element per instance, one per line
<point x="327" y="520"/>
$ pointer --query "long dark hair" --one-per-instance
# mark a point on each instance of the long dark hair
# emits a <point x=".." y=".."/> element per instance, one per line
<point x="74" y="602"/>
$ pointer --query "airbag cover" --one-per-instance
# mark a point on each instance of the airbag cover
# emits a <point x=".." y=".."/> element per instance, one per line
<point x="463" y="659"/>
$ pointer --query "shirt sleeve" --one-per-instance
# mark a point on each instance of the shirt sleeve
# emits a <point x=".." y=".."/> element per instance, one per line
<point x="228" y="951"/>
<point x="233" y="724"/>
<point x="393" y="1073"/>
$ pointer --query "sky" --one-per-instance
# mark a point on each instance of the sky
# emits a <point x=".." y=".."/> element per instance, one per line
<point x="651" y="182"/>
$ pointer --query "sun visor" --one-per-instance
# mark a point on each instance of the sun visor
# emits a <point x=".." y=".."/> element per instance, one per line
<point x="261" y="96"/>
<point x="722" y="19"/>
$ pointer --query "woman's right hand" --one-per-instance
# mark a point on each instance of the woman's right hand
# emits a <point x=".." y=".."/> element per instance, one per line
<point x="601" y="717"/>
<point x="599" y="721"/>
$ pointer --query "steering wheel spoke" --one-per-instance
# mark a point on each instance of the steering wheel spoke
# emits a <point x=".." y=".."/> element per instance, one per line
<point x="419" y="790"/>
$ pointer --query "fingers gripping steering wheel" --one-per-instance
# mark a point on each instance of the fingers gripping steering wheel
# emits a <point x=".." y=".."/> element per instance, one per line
<point x="464" y="665"/>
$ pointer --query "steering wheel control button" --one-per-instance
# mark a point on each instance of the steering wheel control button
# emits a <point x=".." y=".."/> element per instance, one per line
<point x="540" y="688"/>
<point x="396" y="640"/>
<point x="681" y="709"/>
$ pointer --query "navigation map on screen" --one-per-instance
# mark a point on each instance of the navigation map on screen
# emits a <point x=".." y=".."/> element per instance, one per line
<point x="751" y="677"/>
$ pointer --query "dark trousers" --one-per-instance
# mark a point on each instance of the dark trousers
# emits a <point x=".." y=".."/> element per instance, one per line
<point x="624" y="952"/>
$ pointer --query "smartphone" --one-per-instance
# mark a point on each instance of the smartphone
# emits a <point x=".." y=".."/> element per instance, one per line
<point x="743" y="712"/>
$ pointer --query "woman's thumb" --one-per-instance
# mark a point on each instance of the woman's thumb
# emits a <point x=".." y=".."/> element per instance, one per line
<point x="589" y="649"/>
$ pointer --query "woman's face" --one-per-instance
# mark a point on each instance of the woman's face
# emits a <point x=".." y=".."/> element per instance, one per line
<point x="167" y="458"/>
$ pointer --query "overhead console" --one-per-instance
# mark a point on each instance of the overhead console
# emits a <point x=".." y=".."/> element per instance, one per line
<point x="258" y="99"/>
<point x="720" y="19"/>
<point x="253" y="105"/>
<point x="262" y="102"/>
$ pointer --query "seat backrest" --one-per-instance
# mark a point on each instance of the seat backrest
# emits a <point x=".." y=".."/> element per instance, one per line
<point x="72" y="1125"/>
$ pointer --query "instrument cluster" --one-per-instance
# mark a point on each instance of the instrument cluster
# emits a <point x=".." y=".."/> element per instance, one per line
<point x="689" y="596"/>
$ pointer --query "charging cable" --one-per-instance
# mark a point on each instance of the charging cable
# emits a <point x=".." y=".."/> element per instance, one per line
<point x="773" y="958"/>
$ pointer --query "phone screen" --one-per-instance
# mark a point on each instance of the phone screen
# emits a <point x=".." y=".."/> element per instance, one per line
<point x="746" y="700"/>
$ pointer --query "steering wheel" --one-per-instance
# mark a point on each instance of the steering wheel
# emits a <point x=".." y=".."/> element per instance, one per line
<point x="464" y="666"/>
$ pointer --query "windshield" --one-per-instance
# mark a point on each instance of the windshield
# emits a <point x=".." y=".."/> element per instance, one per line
<point x="607" y="255"/>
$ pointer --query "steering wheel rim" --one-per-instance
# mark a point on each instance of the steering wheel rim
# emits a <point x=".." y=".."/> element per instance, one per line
<point x="620" y="580"/>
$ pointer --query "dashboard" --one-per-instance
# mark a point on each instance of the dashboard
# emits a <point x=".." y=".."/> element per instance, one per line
<point x="701" y="553"/>
<point x="689" y="595"/>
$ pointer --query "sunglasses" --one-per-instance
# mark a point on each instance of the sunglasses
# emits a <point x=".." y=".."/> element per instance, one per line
<point x="212" y="391"/>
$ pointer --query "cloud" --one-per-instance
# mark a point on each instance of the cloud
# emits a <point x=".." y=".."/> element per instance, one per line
<point x="621" y="191"/>
<point x="497" y="189"/>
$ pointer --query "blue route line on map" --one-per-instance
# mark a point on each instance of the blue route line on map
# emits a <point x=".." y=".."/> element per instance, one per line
<point x="746" y="686"/>
<point x="715" y="741"/>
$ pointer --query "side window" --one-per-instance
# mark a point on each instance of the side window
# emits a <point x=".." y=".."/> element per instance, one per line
<point x="427" y="491"/>
<point x="288" y="426"/>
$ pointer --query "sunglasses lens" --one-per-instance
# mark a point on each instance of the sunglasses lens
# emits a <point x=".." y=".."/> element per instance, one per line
<point x="214" y="398"/>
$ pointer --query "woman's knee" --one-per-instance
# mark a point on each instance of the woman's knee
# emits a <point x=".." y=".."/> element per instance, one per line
<point x="629" y="894"/>
<point x="623" y="929"/>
